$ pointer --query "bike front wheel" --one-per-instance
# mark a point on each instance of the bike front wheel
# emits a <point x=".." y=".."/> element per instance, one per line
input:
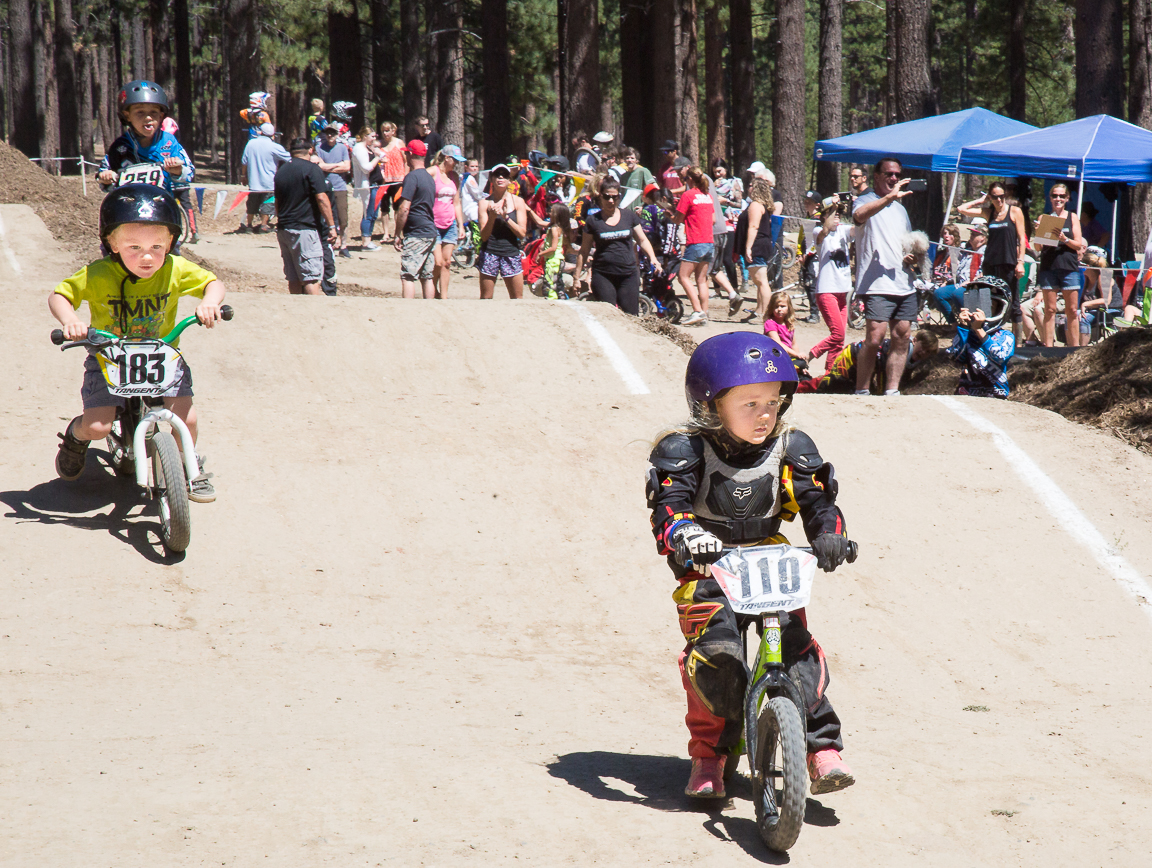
<point x="171" y="491"/>
<point x="779" y="773"/>
<point x="647" y="306"/>
<point x="464" y="256"/>
<point x="855" y="312"/>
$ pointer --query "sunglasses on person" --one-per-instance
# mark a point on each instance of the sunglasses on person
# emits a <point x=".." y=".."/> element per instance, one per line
<point x="608" y="198"/>
<point x="890" y="174"/>
<point x="1057" y="195"/>
<point x="856" y="176"/>
<point x="995" y="195"/>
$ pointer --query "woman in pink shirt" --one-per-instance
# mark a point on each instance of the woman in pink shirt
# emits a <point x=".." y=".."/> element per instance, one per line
<point x="695" y="211"/>
<point x="446" y="214"/>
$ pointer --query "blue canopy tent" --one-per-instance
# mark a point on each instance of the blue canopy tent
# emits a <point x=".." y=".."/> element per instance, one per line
<point x="932" y="143"/>
<point x="1098" y="149"/>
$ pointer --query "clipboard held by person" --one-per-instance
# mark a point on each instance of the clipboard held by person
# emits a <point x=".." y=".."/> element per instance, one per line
<point x="1048" y="229"/>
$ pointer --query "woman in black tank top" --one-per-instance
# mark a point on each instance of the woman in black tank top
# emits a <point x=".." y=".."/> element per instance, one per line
<point x="1007" y="242"/>
<point x="1060" y="271"/>
<point x="503" y="224"/>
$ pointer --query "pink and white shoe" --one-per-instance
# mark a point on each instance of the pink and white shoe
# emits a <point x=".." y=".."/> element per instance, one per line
<point x="828" y="771"/>
<point x="707" y="778"/>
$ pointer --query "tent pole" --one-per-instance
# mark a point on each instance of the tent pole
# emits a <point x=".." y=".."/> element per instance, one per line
<point x="952" y="195"/>
<point x="1112" y="255"/>
<point x="1080" y="196"/>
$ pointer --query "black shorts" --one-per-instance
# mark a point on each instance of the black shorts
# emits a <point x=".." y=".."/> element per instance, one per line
<point x="891" y="308"/>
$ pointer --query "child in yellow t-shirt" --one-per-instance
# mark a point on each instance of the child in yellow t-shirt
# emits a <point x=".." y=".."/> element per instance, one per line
<point x="133" y="292"/>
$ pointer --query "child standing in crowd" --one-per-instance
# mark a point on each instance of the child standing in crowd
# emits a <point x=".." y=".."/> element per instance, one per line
<point x="256" y="113"/>
<point x="833" y="280"/>
<point x="739" y="387"/>
<point x="557" y="247"/>
<point x="142" y="106"/>
<point x="781" y="326"/>
<point x="316" y="120"/>
<point x="133" y="292"/>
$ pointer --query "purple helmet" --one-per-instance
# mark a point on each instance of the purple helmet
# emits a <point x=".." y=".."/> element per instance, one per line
<point x="737" y="359"/>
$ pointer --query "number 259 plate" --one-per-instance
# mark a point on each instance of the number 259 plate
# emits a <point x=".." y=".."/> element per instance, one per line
<point x="142" y="173"/>
<point x="766" y="578"/>
<point x="141" y="368"/>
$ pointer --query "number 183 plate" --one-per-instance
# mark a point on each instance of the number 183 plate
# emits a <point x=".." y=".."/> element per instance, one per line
<point x="141" y="368"/>
<point x="766" y="578"/>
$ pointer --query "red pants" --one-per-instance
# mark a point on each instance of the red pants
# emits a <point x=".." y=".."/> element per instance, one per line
<point x="834" y="309"/>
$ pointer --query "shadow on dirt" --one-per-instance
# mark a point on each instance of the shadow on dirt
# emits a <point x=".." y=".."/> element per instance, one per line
<point x="657" y="782"/>
<point x="132" y="519"/>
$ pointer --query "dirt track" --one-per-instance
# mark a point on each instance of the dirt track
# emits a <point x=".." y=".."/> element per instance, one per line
<point x="425" y="623"/>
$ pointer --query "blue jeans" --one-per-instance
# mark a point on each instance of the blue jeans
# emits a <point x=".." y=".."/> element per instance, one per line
<point x="369" y="218"/>
<point x="949" y="298"/>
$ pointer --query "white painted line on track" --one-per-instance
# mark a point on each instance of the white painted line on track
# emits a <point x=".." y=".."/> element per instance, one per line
<point x="620" y="362"/>
<point x="1065" y="512"/>
<point x="8" y="254"/>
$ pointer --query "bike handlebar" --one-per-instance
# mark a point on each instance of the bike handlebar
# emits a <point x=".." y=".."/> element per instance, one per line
<point x="100" y="338"/>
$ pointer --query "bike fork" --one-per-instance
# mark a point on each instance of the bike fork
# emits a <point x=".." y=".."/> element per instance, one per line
<point x="144" y="429"/>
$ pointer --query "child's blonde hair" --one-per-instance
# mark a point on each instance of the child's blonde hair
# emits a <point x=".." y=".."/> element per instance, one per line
<point x="317" y="106"/>
<point x="790" y="319"/>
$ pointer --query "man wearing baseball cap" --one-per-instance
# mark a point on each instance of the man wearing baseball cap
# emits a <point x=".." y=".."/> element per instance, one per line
<point x="669" y="177"/>
<point x="335" y="160"/>
<point x="416" y="234"/>
<point x="262" y="155"/>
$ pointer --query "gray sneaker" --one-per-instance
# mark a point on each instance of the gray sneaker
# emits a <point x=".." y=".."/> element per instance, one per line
<point x="202" y="489"/>
<point x="368" y="245"/>
<point x="693" y="319"/>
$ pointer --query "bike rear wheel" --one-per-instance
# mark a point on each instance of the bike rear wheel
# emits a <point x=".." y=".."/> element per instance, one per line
<point x="647" y="306"/>
<point x="779" y="773"/>
<point x="464" y="256"/>
<point x="118" y="450"/>
<point x="674" y="310"/>
<point x="171" y="491"/>
<point x="855" y="312"/>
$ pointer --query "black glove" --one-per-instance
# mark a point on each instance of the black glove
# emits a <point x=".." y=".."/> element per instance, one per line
<point x="696" y="547"/>
<point x="831" y="550"/>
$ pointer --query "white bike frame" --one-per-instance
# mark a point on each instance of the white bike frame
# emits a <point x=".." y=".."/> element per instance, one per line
<point x="148" y="422"/>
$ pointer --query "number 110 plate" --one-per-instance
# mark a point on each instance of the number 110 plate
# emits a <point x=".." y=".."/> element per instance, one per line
<point x="766" y="578"/>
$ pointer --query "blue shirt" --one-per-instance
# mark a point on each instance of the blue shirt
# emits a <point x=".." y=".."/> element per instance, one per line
<point x="127" y="150"/>
<point x="261" y="157"/>
<point x="338" y="154"/>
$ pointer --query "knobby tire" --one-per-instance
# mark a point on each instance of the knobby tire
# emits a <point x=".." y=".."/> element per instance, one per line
<point x="779" y="773"/>
<point x="171" y="491"/>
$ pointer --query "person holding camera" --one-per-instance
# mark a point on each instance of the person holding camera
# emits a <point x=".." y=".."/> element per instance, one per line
<point x="881" y="276"/>
<point x="833" y="278"/>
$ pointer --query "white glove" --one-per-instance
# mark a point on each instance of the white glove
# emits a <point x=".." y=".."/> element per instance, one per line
<point x="696" y="548"/>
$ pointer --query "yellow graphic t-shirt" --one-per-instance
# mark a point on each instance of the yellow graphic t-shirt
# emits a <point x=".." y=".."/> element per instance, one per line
<point x="127" y="306"/>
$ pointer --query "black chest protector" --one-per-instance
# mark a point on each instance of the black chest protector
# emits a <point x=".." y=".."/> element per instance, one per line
<point x="741" y="505"/>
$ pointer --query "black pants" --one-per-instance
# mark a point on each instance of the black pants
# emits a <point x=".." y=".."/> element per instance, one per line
<point x="622" y="290"/>
<point x="1007" y="273"/>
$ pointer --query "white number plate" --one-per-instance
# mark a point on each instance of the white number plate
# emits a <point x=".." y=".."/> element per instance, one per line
<point x="142" y="173"/>
<point x="766" y="578"/>
<point x="141" y="368"/>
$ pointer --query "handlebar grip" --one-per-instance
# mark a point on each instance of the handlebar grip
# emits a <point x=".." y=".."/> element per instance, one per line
<point x="57" y="336"/>
<point x="226" y="312"/>
<point x="853" y="551"/>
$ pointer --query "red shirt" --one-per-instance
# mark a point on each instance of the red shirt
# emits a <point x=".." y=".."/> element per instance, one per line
<point x="696" y="206"/>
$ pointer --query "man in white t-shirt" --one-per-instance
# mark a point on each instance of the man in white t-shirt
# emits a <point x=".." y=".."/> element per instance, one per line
<point x="881" y="276"/>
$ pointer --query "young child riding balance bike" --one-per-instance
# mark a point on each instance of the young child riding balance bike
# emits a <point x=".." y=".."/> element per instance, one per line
<point x="132" y="292"/>
<point x="726" y="478"/>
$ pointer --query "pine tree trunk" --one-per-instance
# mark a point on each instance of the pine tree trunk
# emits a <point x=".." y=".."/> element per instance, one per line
<point x="384" y="72"/>
<point x="67" y="87"/>
<point x="666" y="72"/>
<point x="636" y="80"/>
<point x="497" y="86"/>
<point x="715" y="106"/>
<point x="139" y="52"/>
<point x="890" y="51"/>
<point x="914" y="98"/>
<point x="830" y="123"/>
<point x="450" y="84"/>
<point x="103" y="95"/>
<point x="183" y="75"/>
<point x="345" y="64"/>
<point x="44" y="72"/>
<point x="1099" y="62"/>
<point x="243" y="74"/>
<point x="433" y="11"/>
<point x="788" y="104"/>
<point x="25" y="133"/>
<point x="86" y="108"/>
<point x="583" y="66"/>
<point x="411" y="72"/>
<point x="689" y="81"/>
<point x="1139" y="109"/>
<point x="161" y="45"/>
<point x="743" y="71"/>
<point x="1017" y="60"/>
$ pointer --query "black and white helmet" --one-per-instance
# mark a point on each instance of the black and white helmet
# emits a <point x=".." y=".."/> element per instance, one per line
<point x="140" y="203"/>
<point x="341" y="109"/>
<point x="1001" y="301"/>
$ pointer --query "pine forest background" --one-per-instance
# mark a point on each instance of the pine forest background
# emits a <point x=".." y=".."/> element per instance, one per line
<point x="738" y="79"/>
